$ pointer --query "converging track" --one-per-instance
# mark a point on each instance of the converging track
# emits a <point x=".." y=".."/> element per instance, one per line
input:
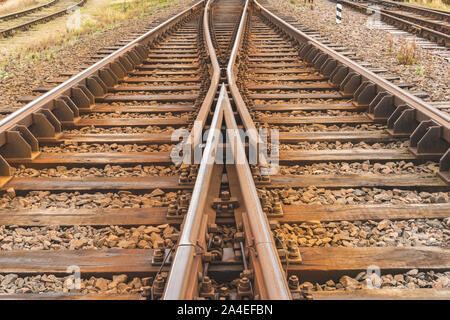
<point x="92" y="179"/>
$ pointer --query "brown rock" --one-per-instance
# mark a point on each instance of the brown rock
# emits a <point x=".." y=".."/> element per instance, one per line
<point x="101" y="284"/>
<point x="143" y="244"/>
<point x="348" y="282"/>
<point x="127" y="244"/>
<point x="136" y="283"/>
<point x="157" y="193"/>
<point x="121" y="278"/>
<point x="156" y="237"/>
<point x="383" y="224"/>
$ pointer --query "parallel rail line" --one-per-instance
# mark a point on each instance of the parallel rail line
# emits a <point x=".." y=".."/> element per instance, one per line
<point x="25" y="19"/>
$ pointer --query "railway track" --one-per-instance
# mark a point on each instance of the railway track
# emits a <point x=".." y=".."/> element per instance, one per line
<point x="423" y="22"/>
<point x="90" y="185"/>
<point x="22" y="20"/>
<point x="439" y="15"/>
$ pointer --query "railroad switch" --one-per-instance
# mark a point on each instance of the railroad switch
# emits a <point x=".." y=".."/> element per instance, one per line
<point x="244" y="289"/>
<point x="297" y="293"/>
<point x="226" y="204"/>
<point x="207" y="289"/>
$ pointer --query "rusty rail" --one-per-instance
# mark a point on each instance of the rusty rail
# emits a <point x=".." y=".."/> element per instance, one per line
<point x="182" y="283"/>
<point x="196" y="133"/>
<point x="269" y="277"/>
<point x="232" y="68"/>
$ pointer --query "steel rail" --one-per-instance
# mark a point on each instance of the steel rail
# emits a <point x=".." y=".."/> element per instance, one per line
<point x="232" y="68"/>
<point x="195" y="136"/>
<point x="48" y="98"/>
<point x="424" y="111"/>
<point x="42" y="19"/>
<point x="183" y="280"/>
<point x="272" y="278"/>
<point x="24" y="12"/>
<point x="441" y="29"/>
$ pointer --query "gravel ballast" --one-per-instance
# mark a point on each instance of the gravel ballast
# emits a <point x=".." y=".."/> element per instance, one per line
<point x="385" y="233"/>
<point x="85" y="237"/>
<point x="314" y="195"/>
<point x="413" y="279"/>
<point x="49" y="283"/>
<point x="105" y="147"/>
<point x="366" y="167"/>
<point x="77" y="200"/>
<point x="107" y="171"/>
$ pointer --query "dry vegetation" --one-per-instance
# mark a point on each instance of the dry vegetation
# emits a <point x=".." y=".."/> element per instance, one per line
<point x="435" y="4"/>
<point x="408" y="52"/>
<point x="96" y="17"/>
